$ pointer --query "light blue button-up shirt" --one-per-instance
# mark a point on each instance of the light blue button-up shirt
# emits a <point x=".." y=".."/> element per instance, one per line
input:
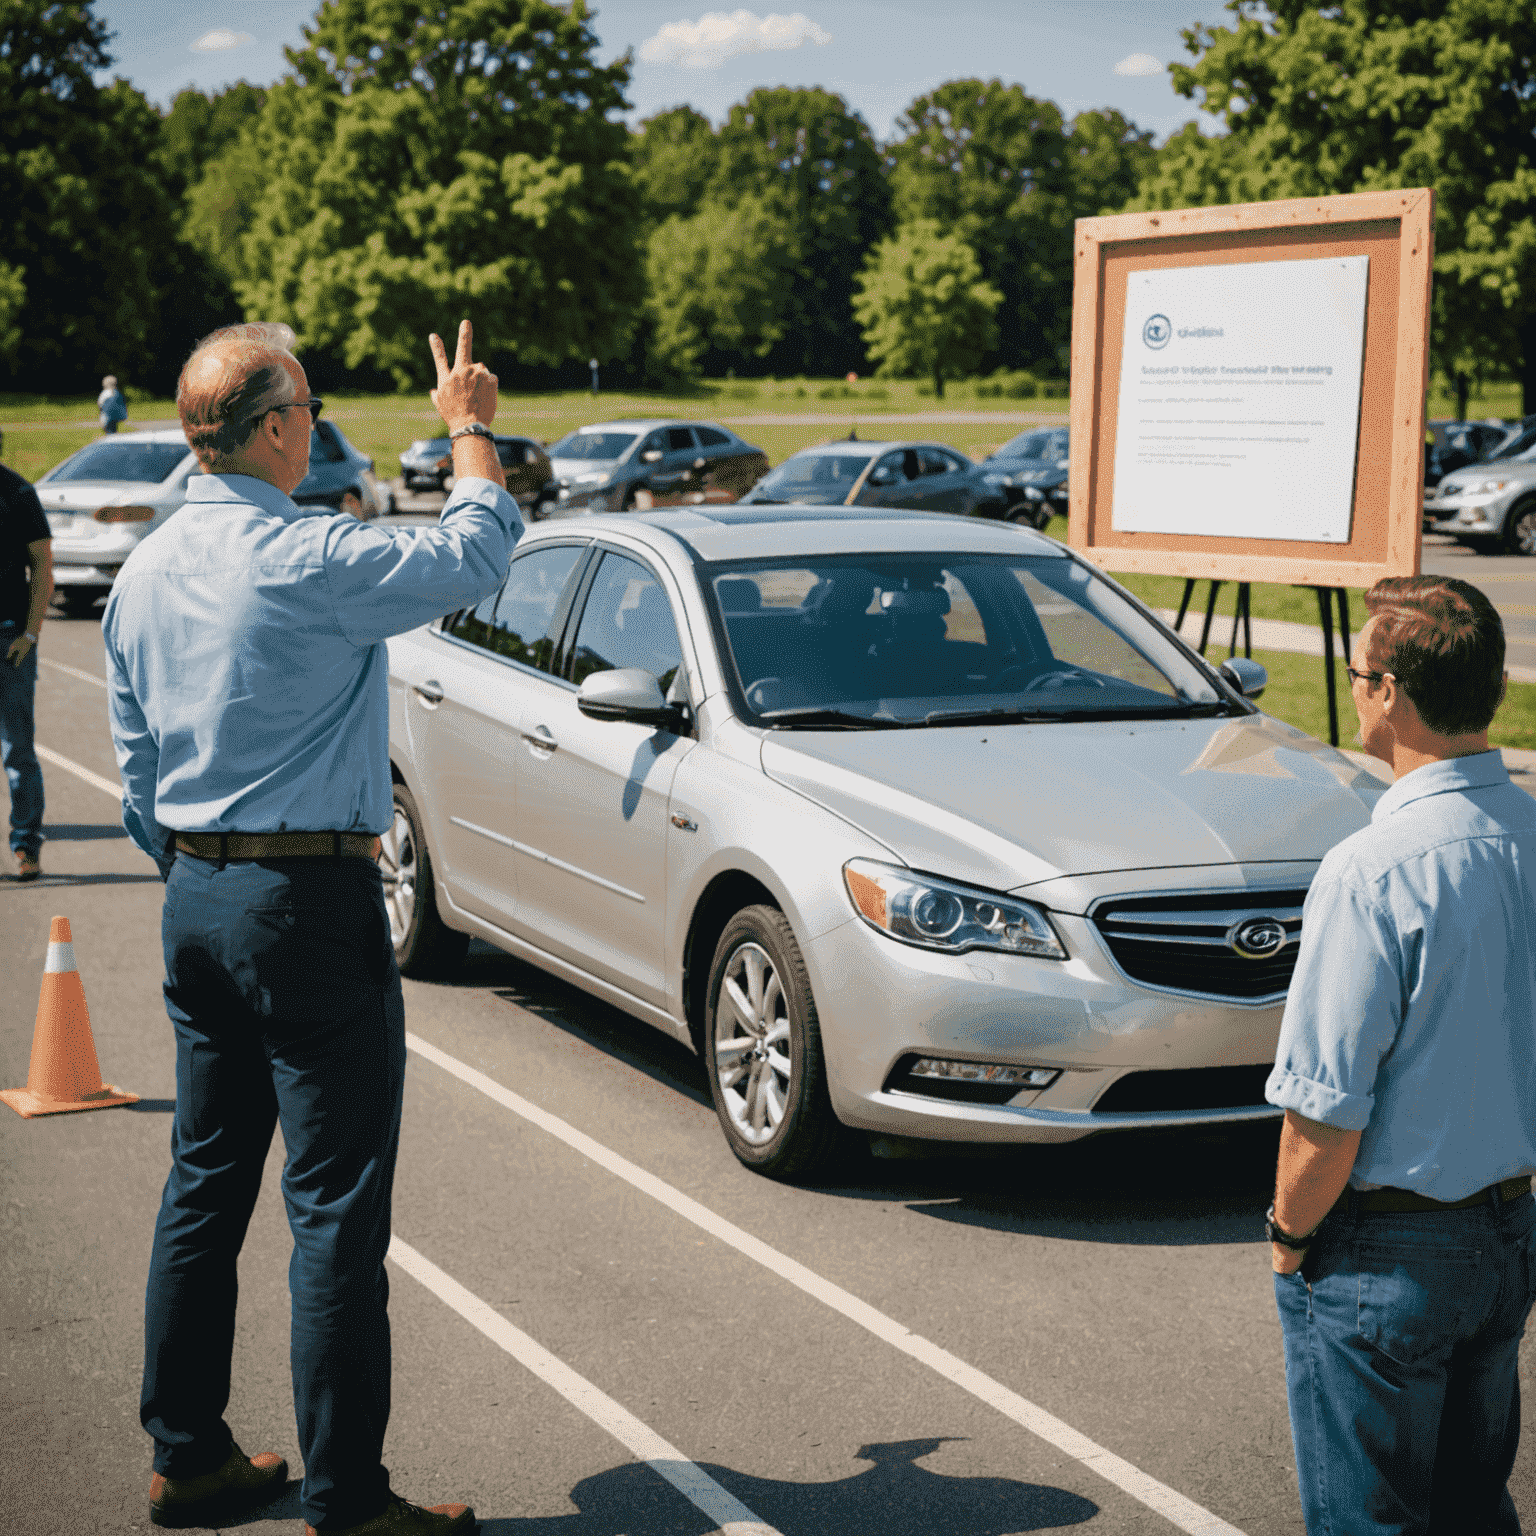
<point x="1412" y="1013"/>
<point x="246" y="670"/>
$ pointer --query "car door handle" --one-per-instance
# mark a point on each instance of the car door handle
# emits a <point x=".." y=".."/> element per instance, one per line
<point x="541" y="738"/>
<point x="429" y="692"/>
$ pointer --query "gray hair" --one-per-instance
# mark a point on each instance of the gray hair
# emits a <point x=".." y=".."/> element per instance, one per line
<point x="233" y="377"/>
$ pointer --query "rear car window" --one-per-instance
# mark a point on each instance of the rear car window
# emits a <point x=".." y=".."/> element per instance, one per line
<point x="140" y="463"/>
<point x="710" y="438"/>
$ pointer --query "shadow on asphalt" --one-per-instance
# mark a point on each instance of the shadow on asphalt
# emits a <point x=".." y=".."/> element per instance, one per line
<point x="1164" y="1188"/>
<point x="82" y="832"/>
<point x="895" y="1497"/>
<point x="153" y="1107"/>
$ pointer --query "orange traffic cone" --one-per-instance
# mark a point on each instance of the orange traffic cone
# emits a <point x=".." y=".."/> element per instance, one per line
<point x="64" y="1073"/>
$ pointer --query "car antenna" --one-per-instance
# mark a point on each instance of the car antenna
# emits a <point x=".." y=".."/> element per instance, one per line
<point x="853" y="434"/>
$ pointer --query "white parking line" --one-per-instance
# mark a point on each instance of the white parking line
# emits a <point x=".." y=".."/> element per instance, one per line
<point x="60" y="666"/>
<point x="58" y="760"/>
<point x="1171" y="1505"/>
<point x="730" y="1515"/>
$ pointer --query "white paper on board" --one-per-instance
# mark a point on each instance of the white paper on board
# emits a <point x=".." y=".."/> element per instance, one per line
<point x="1240" y="400"/>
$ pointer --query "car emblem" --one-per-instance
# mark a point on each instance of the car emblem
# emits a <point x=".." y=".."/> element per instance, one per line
<point x="1257" y="938"/>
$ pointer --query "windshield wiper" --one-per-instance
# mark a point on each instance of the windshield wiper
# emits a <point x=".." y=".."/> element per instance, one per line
<point x="834" y="719"/>
<point x="1014" y="715"/>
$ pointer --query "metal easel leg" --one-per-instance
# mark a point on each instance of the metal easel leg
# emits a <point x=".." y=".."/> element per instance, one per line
<point x="1210" y="613"/>
<point x="1325" y="611"/>
<point x="1189" y="591"/>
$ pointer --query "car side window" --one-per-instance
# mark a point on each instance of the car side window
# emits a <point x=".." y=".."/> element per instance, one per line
<point x="513" y="455"/>
<point x="710" y="438"/>
<point x="933" y="461"/>
<point x="655" y="443"/>
<point x="518" y="621"/>
<point x="679" y="439"/>
<point x="627" y="622"/>
<point x="323" y="445"/>
<point x="888" y="471"/>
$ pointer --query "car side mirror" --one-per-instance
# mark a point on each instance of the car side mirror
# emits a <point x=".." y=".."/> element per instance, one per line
<point x="628" y="693"/>
<point x="1250" y="678"/>
<point x="651" y="456"/>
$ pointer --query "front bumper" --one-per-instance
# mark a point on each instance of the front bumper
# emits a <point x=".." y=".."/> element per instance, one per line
<point x="1479" y="516"/>
<point x="880" y="1001"/>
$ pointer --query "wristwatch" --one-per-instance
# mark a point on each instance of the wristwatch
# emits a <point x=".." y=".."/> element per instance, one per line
<point x="1277" y="1234"/>
<point x="474" y="429"/>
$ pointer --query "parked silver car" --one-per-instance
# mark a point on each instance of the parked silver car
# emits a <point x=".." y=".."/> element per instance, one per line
<point x="905" y="822"/>
<point x="1492" y="505"/>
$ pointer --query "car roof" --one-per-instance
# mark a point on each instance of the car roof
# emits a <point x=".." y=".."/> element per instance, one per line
<point x="746" y="532"/>
<point x="644" y="424"/>
<point x="840" y="445"/>
<point x="152" y="435"/>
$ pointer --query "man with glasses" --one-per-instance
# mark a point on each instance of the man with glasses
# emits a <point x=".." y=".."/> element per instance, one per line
<point x="1403" y="1230"/>
<point x="247" y="689"/>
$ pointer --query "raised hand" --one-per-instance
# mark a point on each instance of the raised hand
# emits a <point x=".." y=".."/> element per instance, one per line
<point x="467" y="391"/>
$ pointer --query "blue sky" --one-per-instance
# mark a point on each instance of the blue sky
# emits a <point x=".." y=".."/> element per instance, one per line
<point x="877" y="55"/>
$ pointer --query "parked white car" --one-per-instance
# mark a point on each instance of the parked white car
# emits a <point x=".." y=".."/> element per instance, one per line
<point x="102" y="500"/>
<point x="908" y="823"/>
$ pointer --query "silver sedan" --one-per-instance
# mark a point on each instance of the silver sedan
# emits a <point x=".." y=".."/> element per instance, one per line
<point x="905" y="824"/>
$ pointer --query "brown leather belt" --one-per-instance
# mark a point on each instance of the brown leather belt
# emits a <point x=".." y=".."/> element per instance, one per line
<point x="224" y="846"/>
<point x="1401" y="1200"/>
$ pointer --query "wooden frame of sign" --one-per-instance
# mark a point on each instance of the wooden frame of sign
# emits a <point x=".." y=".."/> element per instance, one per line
<point x="1396" y="231"/>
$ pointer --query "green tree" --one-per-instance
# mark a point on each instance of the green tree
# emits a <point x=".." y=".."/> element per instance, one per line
<point x="924" y="306"/>
<point x="200" y="128"/>
<point x="811" y="160"/>
<point x="1350" y="96"/>
<point x="675" y="156"/>
<point x="85" y="228"/>
<point x="720" y="281"/>
<point x="427" y="160"/>
<point x="1002" y="168"/>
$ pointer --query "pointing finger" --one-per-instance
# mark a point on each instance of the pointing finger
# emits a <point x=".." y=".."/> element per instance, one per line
<point x="439" y="355"/>
<point x="466" y="337"/>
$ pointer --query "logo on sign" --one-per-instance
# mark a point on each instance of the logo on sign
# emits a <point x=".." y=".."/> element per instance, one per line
<point x="1259" y="938"/>
<point x="1156" y="332"/>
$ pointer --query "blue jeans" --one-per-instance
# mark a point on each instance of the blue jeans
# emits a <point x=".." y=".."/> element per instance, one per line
<point x="283" y="990"/>
<point x="1402" y="1337"/>
<point x="18" y="690"/>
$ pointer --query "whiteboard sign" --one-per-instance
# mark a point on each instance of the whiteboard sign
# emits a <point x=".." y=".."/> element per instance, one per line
<point x="1239" y="404"/>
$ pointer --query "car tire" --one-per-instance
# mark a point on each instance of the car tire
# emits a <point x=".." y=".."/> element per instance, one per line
<point x="1028" y="516"/>
<point x="424" y="944"/>
<point x="774" y="1105"/>
<point x="1519" y="535"/>
<point x="79" y="602"/>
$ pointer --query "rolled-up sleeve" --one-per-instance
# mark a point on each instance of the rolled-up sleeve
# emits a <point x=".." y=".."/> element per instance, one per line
<point x="1345" y="1006"/>
<point x="138" y="763"/>
<point x="387" y="581"/>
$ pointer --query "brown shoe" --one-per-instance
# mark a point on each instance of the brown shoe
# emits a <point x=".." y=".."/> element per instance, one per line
<point x="398" y="1518"/>
<point x="241" y="1483"/>
<point x="28" y="866"/>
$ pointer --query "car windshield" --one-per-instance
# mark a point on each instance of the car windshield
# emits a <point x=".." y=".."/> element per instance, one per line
<point x="854" y="641"/>
<point x="1046" y="446"/>
<point x="593" y="445"/>
<point x="1522" y="445"/>
<point x="820" y="478"/>
<point x="141" y="463"/>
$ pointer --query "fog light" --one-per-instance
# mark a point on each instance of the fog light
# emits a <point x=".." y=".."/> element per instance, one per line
<point x="983" y="1072"/>
<point x="1471" y="515"/>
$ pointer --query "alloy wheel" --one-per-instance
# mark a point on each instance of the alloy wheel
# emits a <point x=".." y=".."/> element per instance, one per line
<point x="752" y="1044"/>
<point x="397" y="864"/>
<point x="1525" y="531"/>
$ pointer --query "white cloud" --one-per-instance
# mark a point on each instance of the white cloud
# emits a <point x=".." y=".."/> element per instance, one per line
<point x="1139" y="64"/>
<point x="717" y="36"/>
<point x="219" y="39"/>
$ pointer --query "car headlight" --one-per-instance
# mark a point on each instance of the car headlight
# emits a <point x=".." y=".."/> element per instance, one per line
<point x="1482" y="487"/>
<point x="938" y="914"/>
<point x="994" y="478"/>
<point x="589" y="480"/>
<point x="1033" y="493"/>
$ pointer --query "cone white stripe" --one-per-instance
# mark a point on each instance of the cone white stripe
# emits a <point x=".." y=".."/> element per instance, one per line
<point x="61" y="957"/>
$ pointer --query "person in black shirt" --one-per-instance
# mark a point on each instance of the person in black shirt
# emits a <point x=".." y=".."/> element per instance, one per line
<point x="26" y="583"/>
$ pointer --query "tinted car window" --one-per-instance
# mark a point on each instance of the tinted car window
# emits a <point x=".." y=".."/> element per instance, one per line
<point x="679" y="439"/>
<point x="934" y="461"/>
<point x="517" y="621"/>
<point x="141" y="463"/>
<point x="324" y="447"/>
<point x="627" y="622"/>
<point x="512" y="455"/>
<point x="592" y="445"/>
<point x="710" y="438"/>
<point x="1047" y="446"/>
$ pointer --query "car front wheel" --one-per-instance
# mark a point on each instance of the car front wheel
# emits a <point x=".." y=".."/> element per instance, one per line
<point x="762" y="1045"/>
<point x="424" y="944"/>
<point x="1520" y="528"/>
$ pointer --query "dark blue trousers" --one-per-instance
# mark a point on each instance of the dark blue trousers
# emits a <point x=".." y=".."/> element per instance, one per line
<point x="285" y="997"/>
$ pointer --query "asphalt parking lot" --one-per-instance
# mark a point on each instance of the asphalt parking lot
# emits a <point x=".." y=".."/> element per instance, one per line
<point x="603" y="1325"/>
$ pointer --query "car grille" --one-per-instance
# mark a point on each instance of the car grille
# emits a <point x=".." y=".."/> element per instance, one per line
<point x="1190" y="1088"/>
<point x="1180" y="942"/>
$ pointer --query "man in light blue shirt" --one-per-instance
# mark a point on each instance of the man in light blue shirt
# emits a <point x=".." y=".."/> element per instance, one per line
<point x="247" y="690"/>
<point x="1403" y="1229"/>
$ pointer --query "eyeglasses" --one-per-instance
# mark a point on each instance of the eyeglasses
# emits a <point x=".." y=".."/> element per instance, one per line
<point x="314" y="407"/>
<point x="1366" y="677"/>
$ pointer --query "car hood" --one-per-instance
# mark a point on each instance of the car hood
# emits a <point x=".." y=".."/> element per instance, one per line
<point x="1009" y="806"/>
<point x="87" y="495"/>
